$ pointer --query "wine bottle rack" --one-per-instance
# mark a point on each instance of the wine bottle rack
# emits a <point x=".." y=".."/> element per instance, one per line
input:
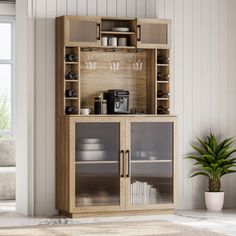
<point x="163" y="81"/>
<point x="72" y="82"/>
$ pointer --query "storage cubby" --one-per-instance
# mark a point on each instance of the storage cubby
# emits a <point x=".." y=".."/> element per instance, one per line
<point x="71" y="80"/>
<point x="163" y="81"/>
<point x="119" y="28"/>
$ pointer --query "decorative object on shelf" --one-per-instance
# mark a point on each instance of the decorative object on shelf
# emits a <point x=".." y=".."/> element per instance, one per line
<point x="71" y="75"/>
<point x="71" y="110"/>
<point x="122" y="42"/>
<point x="85" y="111"/>
<point x="112" y="41"/>
<point x="143" y="193"/>
<point x="120" y="29"/>
<point x="70" y="93"/>
<point x="71" y="57"/>
<point x="104" y="41"/>
<point x="215" y="160"/>
<point x="97" y="105"/>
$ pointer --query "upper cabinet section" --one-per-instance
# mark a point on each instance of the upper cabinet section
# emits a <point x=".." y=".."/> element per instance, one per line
<point x="153" y="33"/>
<point x="113" y="32"/>
<point x="83" y="31"/>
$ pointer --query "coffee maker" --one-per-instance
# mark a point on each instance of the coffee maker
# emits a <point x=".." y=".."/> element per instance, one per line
<point x="118" y="101"/>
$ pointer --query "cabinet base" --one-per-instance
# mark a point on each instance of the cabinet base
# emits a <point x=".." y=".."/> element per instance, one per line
<point x="115" y="213"/>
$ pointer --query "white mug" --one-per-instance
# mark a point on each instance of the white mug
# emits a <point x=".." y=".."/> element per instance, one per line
<point x="85" y="111"/>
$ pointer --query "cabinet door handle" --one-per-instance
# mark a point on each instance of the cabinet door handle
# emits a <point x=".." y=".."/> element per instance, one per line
<point x="122" y="164"/>
<point x="128" y="163"/>
<point x="139" y="33"/>
<point x="98" y="31"/>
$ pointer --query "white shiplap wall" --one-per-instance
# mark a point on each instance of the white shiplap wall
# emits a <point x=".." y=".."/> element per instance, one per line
<point x="203" y="89"/>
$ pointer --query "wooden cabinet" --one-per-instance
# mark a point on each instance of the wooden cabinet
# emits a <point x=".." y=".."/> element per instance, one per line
<point x="153" y="33"/>
<point x="117" y="163"/>
<point x="82" y="31"/>
<point x="114" y="163"/>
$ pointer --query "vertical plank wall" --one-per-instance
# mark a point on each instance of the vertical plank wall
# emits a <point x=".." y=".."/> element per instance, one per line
<point x="203" y="86"/>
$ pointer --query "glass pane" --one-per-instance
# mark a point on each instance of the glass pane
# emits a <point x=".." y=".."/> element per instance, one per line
<point x="151" y="163"/>
<point x="83" y="31"/>
<point x="97" y="184"/>
<point x="5" y="41"/>
<point x="151" y="141"/>
<point x="5" y="97"/>
<point x="151" y="183"/>
<point x="154" y="33"/>
<point x="5" y="114"/>
<point x="97" y="166"/>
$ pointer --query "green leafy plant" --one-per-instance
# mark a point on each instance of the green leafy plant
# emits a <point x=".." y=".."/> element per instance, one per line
<point x="214" y="160"/>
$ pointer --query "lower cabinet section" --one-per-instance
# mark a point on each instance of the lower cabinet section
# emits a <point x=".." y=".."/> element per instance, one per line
<point x="115" y="164"/>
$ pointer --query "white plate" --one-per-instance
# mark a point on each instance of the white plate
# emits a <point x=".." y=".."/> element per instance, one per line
<point x="90" y="155"/>
<point x="90" y="146"/>
<point x="120" y="29"/>
<point x="90" y="140"/>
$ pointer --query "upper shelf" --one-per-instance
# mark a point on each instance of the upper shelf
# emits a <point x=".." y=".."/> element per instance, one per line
<point x="117" y="33"/>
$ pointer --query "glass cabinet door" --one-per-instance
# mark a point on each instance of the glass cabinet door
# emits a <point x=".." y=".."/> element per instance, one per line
<point x="151" y="163"/>
<point x="153" y="34"/>
<point x="97" y="153"/>
<point x="83" y="31"/>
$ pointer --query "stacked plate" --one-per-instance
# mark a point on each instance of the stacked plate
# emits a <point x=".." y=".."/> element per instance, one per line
<point x="90" y="149"/>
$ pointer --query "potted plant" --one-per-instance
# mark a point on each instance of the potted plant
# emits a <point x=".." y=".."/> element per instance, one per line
<point x="214" y="160"/>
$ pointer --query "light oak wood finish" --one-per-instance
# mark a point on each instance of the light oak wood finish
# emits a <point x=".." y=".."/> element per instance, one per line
<point x="142" y="86"/>
<point x="102" y="79"/>
<point x="66" y="165"/>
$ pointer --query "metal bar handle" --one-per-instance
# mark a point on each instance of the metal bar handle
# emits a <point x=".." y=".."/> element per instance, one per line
<point x="139" y="33"/>
<point x="98" y="31"/>
<point x="128" y="163"/>
<point x="122" y="169"/>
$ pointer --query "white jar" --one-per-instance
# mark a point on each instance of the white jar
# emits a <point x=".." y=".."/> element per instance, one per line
<point x="113" y="41"/>
<point x="104" y="41"/>
<point x="122" y="42"/>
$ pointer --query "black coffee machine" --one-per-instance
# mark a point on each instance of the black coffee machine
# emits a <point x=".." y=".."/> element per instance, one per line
<point x="118" y="101"/>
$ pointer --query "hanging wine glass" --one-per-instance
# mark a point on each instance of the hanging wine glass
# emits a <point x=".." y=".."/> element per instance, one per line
<point x="90" y="64"/>
<point x="114" y="64"/>
<point x="138" y="64"/>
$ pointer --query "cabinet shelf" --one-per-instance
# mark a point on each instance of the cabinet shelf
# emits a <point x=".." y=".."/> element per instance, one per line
<point x="95" y="162"/>
<point x="72" y="81"/>
<point x="162" y="64"/>
<point x="117" y="33"/>
<point x="71" y="98"/>
<point x="163" y="99"/>
<point x="163" y="82"/>
<point x="119" y="47"/>
<point x="71" y="63"/>
<point x="151" y="161"/>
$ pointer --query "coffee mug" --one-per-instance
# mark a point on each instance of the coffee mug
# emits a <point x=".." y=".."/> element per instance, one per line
<point x="85" y="111"/>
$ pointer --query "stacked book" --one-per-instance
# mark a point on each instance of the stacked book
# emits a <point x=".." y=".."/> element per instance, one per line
<point x="143" y="193"/>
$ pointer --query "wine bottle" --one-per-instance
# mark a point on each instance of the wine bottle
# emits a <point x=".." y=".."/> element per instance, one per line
<point x="162" y="110"/>
<point x="71" y="110"/>
<point x="162" y="77"/>
<point x="162" y="60"/>
<point x="71" y="57"/>
<point x="71" y="75"/>
<point x="161" y="94"/>
<point x="70" y="93"/>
